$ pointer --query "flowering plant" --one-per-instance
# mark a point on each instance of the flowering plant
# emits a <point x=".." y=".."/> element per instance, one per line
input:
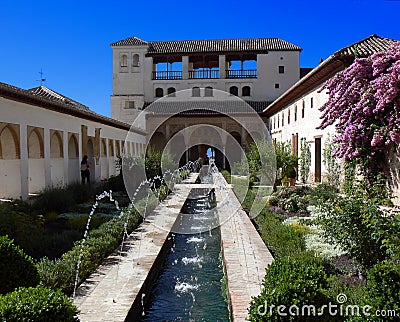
<point x="364" y="105"/>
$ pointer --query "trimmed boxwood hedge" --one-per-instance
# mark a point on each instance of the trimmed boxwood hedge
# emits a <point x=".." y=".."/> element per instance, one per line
<point x="16" y="268"/>
<point x="37" y="304"/>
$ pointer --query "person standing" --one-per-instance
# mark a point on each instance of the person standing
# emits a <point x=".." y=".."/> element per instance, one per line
<point x="85" y="172"/>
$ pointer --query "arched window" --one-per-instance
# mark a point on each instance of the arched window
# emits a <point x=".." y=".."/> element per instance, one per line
<point x="171" y="91"/>
<point x="159" y="92"/>
<point x="124" y="61"/>
<point x="246" y="91"/>
<point x="208" y="92"/>
<point x="135" y="60"/>
<point x="233" y="90"/>
<point x="196" y="91"/>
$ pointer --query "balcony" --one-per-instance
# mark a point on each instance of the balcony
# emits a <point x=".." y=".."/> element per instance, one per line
<point x="241" y="73"/>
<point x="203" y="74"/>
<point x="167" y="75"/>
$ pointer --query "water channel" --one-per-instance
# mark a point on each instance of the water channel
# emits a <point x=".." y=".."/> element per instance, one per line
<point x="190" y="286"/>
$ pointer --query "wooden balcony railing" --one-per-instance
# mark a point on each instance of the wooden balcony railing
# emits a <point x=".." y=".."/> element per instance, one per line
<point x="196" y="74"/>
<point x="167" y="75"/>
<point x="241" y="73"/>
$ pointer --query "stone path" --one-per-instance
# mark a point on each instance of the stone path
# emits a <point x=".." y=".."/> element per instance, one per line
<point x="245" y="255"/>
<point x="109" y="293"/>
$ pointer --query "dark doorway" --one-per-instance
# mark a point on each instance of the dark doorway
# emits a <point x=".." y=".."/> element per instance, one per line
<point x="317" y="159"/>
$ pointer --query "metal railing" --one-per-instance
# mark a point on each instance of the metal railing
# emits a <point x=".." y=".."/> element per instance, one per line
<point x="203" y="74"/>
<point x="241" y="73"/>
<point x="167" y="75"/>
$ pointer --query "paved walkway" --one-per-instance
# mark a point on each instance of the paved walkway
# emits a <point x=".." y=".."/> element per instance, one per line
<point x="108" y="294"/>
<point x="244" y="253"/>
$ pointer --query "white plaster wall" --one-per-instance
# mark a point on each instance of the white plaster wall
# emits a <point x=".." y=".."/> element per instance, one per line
<point x="74" y="174"/>
<point x="57" y="172"/>
<point x="305" y="127"/>
<point x="36" y="175"/>
<point x="10" y="178"/>
<point x="28" y="115"/>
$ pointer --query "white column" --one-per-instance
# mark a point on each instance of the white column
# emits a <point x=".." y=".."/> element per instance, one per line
<point x="222" y="66"/>
<point x="66" y="157"/>
<point x="47" y="163"/>
<point x="24" y="166"/>
<point x="107" y="160"/>
<point x="185" y="67"/>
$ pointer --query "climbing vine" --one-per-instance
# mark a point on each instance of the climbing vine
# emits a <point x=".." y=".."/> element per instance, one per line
<point x="305" y="159"/>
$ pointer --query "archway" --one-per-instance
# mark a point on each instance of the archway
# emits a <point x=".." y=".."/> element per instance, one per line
<point x="56" y="159"/>
<point x="92" y="163"/>
<point x="73" y="159"/>
<point x="36" y="160"/>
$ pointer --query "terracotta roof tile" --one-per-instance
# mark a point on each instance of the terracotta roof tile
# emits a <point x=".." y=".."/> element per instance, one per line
<point x="217" y="45"/>
<point x="131" y="41"/>
<point x="52" y="95"/>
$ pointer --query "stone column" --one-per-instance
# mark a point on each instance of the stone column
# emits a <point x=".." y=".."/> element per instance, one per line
<point x="185" y="67"/>
<point x="222" y="66"/>
<point x="24" y="166"/>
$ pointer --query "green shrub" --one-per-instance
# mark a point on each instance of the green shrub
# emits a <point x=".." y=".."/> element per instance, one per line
<point x="282" y="240"/>
<point x="37" y="304"/>
<point x="227" y="175"/>
<point x="291" y="281"/>
<point x="360" y="228"/>
<point x="16" y="268"/>
<point x="323" y="193"/>
<point x="100" y="243"/>
<point x="382" y="291"/>
<point x="292" y="199"/>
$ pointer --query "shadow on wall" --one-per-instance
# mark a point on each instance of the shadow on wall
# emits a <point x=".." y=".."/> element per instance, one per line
<point x="394" y="173"/>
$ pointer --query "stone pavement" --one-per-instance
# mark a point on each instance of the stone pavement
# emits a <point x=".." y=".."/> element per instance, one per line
<point x="109" y="293"/>
<point x="244" y="253"/>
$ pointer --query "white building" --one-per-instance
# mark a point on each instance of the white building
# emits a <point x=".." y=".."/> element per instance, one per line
<point x="44" y="135"/>
<point x="295" y="114"/>
<point x="258" y="70"/>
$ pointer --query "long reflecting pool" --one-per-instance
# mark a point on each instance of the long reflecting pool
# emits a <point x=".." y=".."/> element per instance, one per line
<point x="190" y="285"/>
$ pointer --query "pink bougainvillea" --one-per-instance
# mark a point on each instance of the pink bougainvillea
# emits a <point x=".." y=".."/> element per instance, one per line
<point x="364" y="106"/>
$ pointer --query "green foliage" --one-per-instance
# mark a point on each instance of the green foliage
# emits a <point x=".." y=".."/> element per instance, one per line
<point x="60" y="273"/>
<point x="382" y="291"/>
<point x="323" y="193"/>
<point x="305" y="159"/>
<point x="227" y="175"/>
<point x="286" y="161"/>
<point x="155" y="161"/>
<point x="331" y="163"/>
<point x="358" y="225"/>
<point x="260" y="161"/>
<point x="59" y="200"/>
<point x="291" y="199"/>
<point x="282" y="240"/>
<point x="37" y="304"/>
<point x="16" y="268"/>
<point x="291" y="281"/>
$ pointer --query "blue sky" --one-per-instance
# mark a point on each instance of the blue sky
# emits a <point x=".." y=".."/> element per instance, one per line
<point x="70" y="40"/>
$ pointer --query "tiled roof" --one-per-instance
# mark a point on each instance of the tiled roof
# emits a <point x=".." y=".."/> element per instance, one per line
<point x="52" y="95"/>
<point x="131" y="41"/>
<point x="218" y="45"/>
<point x="205" y="107"/>
<point x="335" y="63"/>
<point x="365" y="47"/>
<point x="46" y="98"/>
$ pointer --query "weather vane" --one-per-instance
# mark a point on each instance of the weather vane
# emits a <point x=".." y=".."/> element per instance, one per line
<point x="41" y="80"/>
